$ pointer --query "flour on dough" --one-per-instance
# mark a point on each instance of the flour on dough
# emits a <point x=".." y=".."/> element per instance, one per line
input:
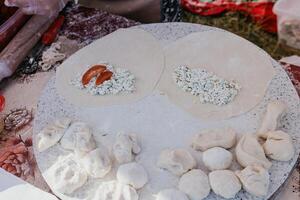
<point x="97" y="163"/>
<point x="52" y="133"/>
<point x="65" y="175"/>
<point x="125" y="147"/>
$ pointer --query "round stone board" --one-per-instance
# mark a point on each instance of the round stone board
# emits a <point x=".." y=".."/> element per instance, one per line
<point x="160" y="124"/>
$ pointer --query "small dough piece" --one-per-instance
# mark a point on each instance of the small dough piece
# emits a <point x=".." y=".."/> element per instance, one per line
<point x="206" y="139"/>
<point x="249" y="151"/>
<point x="97" y="163"/>
<point x="195" y="184"/>
<point x="52" y="133"/>
<point x="132" y="174"/>
<point x="79" y="139"/>
<point x="65" y="175"/>
<point x="113" y="190"/>
<point x="171" y="194"/>
<point x="279" y="146"/>
<point x="176" y="161"/>
<point x="217" y="158"/>
<point x="125" y="147"/>
<point x="224" y="183"/>
<point x="255" y="180"/>
<point x="275" y="110"/>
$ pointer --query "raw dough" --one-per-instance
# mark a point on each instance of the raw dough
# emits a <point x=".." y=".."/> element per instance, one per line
<point x="255" y="180"/>
<point x="195" y="184"/>
<point x="113" y="190"/>
<point x="132" y="174"/>
<point x="275" y="110"/>
<point x="217" y="158"/>
<point x="125" y="147"/>
<point x="171" y="194"/>
<point x="79" y="139"/>
<point x="206" y="139"/>
<point x="97" y="163"/>
<point x="176" y="161"/>
<point x="249" y="151"/>
<point x="65" y="175"/>
<point x="52" y="133"/>
<point x="132" y="49"/>
<point x="279" y="146"/>
<point x="224" y="183"/>
<point x="241" y="61"/>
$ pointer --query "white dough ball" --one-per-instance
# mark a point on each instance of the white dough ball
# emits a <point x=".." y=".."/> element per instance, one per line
<point x="217" y="158"/>
<point x="171" y="194"/>
<point x="132" y="174"/>
<point x="195" y="184"/>
<point x="224" y="183"/>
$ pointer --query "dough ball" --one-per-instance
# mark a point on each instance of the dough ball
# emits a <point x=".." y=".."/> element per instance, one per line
<point x="52" y="133"/>
<point x="195" y="184"/>
<point x="255" y="180"/>
<point x="132" y="174"/>
<point x="113" y="190"/>
<point x="79" y="139"/>
<point x="125" y="147"/>
<point x="97" y="162"/>
<point x="249" y="151"/>
<point x="206" y="139"/>
<point x="176" y="161"/>
<point x="217" y="158"/>
<point x="275" y="110"/>
<point x="224" y="183"/>
<point x="171" y="194"/>
<point x="65" y="175"/>
<point x="279" y="146"/>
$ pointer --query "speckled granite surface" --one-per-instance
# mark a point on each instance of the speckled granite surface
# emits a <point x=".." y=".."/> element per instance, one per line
<point x="51" y="105"/>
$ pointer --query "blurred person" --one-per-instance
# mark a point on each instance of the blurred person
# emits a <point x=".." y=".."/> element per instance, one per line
<point x="140" y="10"/>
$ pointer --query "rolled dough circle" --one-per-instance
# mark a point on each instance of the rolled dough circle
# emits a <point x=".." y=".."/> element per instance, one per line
<point x="132" y="49"/>
<point x="226" y="55"/>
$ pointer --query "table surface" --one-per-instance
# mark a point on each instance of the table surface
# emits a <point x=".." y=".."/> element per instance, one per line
<point x="24" y="91"/>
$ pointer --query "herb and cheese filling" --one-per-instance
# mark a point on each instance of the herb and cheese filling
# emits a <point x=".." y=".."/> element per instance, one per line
<point x="122" y="81"/>
<point x="207" y="86"/>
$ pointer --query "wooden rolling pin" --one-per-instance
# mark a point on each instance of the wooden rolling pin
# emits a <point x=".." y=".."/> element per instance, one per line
<point x="22" y="43"/>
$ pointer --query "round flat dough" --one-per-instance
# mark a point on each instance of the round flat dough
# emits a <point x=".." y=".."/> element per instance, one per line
<point x="226" y="55"/>
<point x="132" y="49"/>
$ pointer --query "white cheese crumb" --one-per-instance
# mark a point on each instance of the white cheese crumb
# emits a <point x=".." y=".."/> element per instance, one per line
<point x="121" y="81"/>
<point x="207" y="86"/>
